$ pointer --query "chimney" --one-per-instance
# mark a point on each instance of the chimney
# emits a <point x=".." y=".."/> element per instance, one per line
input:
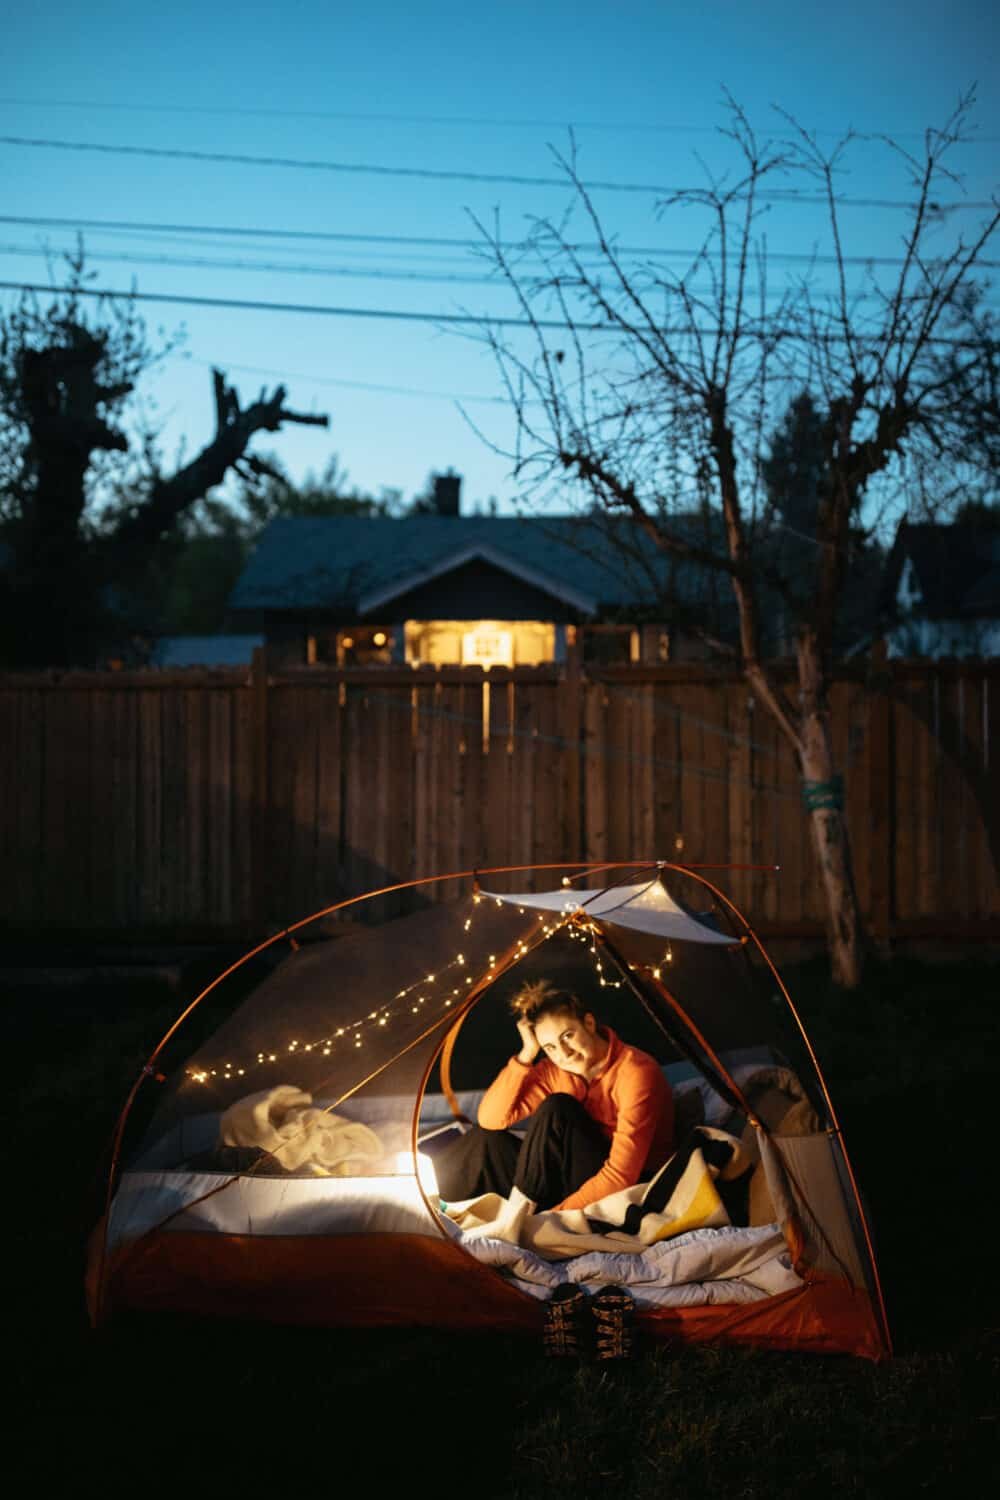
<point x="447" y="488"/>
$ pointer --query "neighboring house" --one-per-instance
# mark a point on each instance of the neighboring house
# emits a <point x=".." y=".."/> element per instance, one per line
<point x="445" y="588"/>
<point x="941" y="591"/>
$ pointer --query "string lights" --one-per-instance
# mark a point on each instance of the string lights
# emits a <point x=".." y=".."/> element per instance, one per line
<point x="418" y="997"/>
<point x="422" y="995"/>
<point x="657" y="969"/>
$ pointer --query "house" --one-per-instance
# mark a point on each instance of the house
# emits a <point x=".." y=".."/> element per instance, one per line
<point x="440" y="588"/>
<point x="941" y="590"/>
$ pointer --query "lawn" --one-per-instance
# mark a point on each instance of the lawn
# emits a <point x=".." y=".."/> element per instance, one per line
<point x="207" y="1405"/>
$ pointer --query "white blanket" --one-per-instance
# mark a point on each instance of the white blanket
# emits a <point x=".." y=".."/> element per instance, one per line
<point x="706" y="1266"/>
<point x="300" y="1137"/>
<point x="669" y="1240"/>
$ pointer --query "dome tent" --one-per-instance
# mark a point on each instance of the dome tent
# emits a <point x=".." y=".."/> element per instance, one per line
<point x="356" y="1055"/>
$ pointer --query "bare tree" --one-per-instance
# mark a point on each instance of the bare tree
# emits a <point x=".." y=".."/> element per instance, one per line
<point x="66" y="379"/>
<point x="651" y="393"/>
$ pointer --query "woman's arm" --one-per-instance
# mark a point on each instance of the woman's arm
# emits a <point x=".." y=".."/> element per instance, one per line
<point x="519" y="1088"/>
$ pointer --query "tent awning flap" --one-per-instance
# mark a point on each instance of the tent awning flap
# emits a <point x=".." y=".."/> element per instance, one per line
<point x="645" y="908"/>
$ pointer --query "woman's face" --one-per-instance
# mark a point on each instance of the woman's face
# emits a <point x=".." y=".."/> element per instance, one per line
<point x="573" y="1045"/>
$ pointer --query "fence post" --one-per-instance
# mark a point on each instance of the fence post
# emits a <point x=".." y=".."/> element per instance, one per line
<point x="260" y="807"/>
<point x="880" y="795"/>
<point x="570" y="717"/>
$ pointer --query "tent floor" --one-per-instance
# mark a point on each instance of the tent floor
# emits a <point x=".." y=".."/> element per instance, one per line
<point x="409" y="1280"/>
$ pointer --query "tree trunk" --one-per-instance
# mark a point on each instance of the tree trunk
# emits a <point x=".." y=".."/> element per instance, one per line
<point x="823" y="795"/>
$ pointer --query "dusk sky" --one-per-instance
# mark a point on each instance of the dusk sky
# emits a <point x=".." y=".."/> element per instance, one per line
<point x="440" y="88"/>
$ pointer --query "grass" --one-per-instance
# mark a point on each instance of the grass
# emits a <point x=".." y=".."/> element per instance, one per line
<point x="208" y="1405"/>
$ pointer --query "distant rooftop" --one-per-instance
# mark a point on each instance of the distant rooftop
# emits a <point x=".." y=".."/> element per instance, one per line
<point x="955" y="569"/>
<point x="357" y="564"/>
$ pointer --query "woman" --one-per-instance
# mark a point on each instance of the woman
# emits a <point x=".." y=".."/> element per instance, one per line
<point x="601" y="1112"/>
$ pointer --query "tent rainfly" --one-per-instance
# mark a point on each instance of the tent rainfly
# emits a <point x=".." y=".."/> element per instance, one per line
<point x="287" y="1173"/>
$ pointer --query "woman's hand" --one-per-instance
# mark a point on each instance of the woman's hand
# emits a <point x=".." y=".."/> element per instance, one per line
<point x="529" y="1042"/>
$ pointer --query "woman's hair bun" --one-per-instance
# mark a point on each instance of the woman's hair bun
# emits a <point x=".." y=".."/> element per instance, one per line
<point x="530" y="997"/>
<point x="541" y="998"/>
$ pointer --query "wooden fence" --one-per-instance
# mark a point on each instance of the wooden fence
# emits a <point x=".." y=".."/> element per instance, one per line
<point x="214" y="804"/>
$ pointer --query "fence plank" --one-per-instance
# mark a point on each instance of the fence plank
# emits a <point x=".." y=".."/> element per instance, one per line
<point x="10" y="854"/>
<point x="669" y="780"/>
<point x="472" y="838"/>
<point x="620" y="773"/>
<point x="714" y="741"/>
<point x="244" y="814"/>
<point x="450" y="749"/>
<point x="880" y="791"/>
<point x="165" y="803"/>
<point x="739" y="770"/>
<point x="329" y="804"/>
<point x="424" y="807"/>
<point x="102" y="811"/>
<point x="951" y="892"/>
<point x="594" y="774"/>
<point x="302" y="748"/>
<point x="858" y="789"/>
<point x="525" y="743"/>
<point x="66" y="808"/>
<point x="149" y="812"/>
<point x="991" y="794"/>
<point x="981" y="861"/>
<point x="499" y="793"/>
<point x="220" y="807"/>
<point x="28" y="894"/>
<point x="972" y="759"/>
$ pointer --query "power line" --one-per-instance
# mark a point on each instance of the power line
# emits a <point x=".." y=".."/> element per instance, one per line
<point x="174" y="153"/>
<point x="252" y="305"/>
<point x="476" y="320"/>
<point x="443" y="242"/>
<point x="361" y="273"/>
<point x="461" y="120"/>
<point x="367" y="273"/>
<point x="360" y="385"/>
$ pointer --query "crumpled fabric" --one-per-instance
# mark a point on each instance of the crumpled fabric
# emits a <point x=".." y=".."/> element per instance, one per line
<point x="284" y="1122"/>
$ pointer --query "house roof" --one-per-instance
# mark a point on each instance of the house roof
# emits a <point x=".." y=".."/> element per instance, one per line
<point x="954" y="570"/>
<point x="358" y="564"/>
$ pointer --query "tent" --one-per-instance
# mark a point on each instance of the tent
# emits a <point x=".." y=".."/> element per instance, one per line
<point x="286" y="1170"/>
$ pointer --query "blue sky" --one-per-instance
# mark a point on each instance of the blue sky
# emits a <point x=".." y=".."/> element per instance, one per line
<point x="443" y="87"/>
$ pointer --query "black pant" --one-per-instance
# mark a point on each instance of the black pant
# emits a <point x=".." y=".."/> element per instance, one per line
<point x="561" y="1148"/>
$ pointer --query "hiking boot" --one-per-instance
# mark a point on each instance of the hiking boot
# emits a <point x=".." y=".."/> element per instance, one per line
<point x="566" y="1325"/>
<point x="613" y="1308"/>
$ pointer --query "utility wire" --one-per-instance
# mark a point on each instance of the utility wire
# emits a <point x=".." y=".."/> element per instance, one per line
<point x="209" y="263"/>
<point x="444" y="242"/>
<point x="360" y="385"/>
<point x="174" y="153"/>
<point x="461" y="120"/>
<point x="475" y="320"/>
<point x="362" y="273"/>
<point x="312" y="309"/>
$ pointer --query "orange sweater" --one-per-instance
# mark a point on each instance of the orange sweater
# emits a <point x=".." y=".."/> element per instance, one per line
<point x="630" y="1100"/>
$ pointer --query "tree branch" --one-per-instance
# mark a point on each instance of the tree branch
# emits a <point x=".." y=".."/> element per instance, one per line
<point x="235" y="427"/>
